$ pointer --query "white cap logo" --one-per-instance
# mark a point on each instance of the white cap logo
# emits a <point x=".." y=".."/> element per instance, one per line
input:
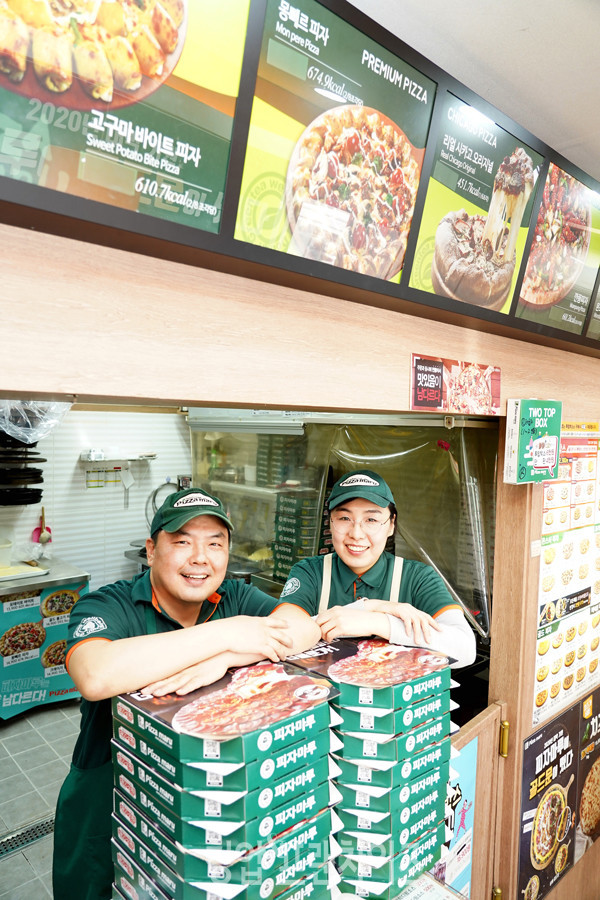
<point x="195" y="500"/>
<point x="364" y="480"/>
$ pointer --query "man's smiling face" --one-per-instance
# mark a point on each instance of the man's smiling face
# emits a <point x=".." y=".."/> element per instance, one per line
<point x="188" y="565"/>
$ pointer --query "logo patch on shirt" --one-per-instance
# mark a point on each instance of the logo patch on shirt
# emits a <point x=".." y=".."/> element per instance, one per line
<point x="198" y="499"/>
<point x="364" y="480"/>
<point x="290" y="587"/>
<point x="89" y="625"/>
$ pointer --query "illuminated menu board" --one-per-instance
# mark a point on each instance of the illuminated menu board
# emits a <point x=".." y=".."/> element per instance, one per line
<point x="336" y="143"/>
<point x="564" y="256"/>
<point x="477" y="210"/>
<point x="128" y="104"/>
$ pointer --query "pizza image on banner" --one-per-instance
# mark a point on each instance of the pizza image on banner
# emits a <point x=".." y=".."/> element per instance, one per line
<point x="561" y="241"/>
<point x="351" y="189"/>
<point x="474" y="256"/>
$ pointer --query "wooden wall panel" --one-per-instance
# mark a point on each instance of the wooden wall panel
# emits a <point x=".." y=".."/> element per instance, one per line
<point x="86" y="320"/>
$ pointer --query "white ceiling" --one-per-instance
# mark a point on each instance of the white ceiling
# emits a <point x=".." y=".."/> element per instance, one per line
<point x="538" y="61"/>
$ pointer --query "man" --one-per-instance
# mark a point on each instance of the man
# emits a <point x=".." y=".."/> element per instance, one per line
<point x="176" y="627"/>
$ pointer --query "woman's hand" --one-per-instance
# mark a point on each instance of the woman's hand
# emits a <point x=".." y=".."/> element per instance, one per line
<point x="347" y="621"/>
<point x="417" y="624"/>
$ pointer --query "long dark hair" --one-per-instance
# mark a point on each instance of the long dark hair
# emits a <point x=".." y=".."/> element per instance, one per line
<point x="390" y="545"/>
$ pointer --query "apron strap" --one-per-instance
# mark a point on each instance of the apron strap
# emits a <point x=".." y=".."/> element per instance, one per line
<point x="326" y="586"/>
<point x="396" y="579"/>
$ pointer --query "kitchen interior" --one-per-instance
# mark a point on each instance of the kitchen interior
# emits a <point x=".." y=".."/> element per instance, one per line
<point x="99" y="473"/>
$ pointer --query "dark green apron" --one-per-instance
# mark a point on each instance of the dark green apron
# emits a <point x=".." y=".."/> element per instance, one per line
<point x="82" y="864"/>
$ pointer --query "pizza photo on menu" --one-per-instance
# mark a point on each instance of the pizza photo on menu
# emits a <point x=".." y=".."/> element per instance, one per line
<point x="255" y="697"/>
<point x="560" y="243"/>
<point x="22" y="638"/>
<point x="78" y="53"/>
<point x="379" y="664"/>
<point x="350" y="191"/>
<point x="475" y="254"/>
<point x="548" y="828"/>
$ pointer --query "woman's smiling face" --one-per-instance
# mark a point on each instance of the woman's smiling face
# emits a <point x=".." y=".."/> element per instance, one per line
<point x="355" y="547"/>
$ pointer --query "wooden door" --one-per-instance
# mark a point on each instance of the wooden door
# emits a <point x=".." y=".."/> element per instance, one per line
<point x="485" y="727"/>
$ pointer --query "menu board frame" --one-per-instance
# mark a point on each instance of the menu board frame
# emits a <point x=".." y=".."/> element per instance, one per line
<point x="50" y="210"/>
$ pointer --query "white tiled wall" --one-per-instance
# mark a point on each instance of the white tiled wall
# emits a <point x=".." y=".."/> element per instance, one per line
<point x="92" y="527"/>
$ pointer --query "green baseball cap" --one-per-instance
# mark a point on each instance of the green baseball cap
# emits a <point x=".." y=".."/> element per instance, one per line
<point x="361" y="483"/>
<point x="183" y="506"/>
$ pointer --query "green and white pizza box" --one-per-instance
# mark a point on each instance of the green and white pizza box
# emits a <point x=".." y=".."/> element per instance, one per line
<point x="389" y="774"/>
<point x="293" y="503"/>
<point x="393" y="748"/>
<point x="303" y="525"/>
<point x="358" y="797"/>
<point x="200" y="831"/>
<point x="381" y="876"/>
<point x="240" y="865"/>
<point x="226" y="805"/>
<point x="398" y="721"/>
<point x="134" y="882"/>
<point x="393" y="696"/>
<point x="175" y="725"/>
<point x="406" y="822"/>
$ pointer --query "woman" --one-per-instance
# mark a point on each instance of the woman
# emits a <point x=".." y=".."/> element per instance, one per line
<point x="361" y="589"/>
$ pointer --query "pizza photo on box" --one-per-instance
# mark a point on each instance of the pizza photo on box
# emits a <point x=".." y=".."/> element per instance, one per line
<point x="58" y="603"/>
<point x="350" y="191"/>
<point x="54" y="654"/>
<point x="475" y="255"/>
<point x="379" y="664"/>
<point x="255" y="697"/>
<point x="560" y="243"/>
<point x="80" y="53"/>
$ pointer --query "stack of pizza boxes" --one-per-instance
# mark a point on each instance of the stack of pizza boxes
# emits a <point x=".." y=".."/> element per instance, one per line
<point x="225" y="793"/>
<point x="392" y="749"/>
<point x="296" y="529"/>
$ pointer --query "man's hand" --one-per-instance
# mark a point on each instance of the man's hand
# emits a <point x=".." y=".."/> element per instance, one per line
<point x="206" y="672"/>
<point x="267" y="636"/>
<point x="418" y="625"/>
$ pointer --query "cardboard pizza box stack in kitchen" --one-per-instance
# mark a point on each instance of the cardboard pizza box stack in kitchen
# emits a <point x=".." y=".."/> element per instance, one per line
<point x="296" y="530"/>
<point x="225" y="791"/>
<point x="392" y="750"/>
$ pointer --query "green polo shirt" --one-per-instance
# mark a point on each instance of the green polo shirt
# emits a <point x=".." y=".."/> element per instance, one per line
<point x="121" y="610"/>
<point x="421" y="586"/>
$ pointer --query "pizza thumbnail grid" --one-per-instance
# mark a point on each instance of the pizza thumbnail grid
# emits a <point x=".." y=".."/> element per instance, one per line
<point x="282" y="779"/>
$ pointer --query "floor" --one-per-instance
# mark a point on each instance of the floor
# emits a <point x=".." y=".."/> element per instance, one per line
<point x="35" y="753"/>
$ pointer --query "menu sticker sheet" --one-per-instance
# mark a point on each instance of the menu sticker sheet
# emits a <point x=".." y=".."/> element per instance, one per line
<point x="564" y="256"/>
<point x="568" y="633"/>
<point x="335" y="146"/>
<point x="548" y="799"/>
<point x="454" y="386"/>
<point x="477" y="210"/>
<point x="138" y="111"/>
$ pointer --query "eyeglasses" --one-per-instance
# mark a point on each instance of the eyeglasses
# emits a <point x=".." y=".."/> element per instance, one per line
<point x="342" y="524"/>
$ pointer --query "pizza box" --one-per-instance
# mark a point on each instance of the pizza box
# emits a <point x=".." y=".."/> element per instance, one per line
<point x="291" y="703"/>
<point x="383" y="800"/>
<point x="233" y="806"/>
<point x="133" y="883"/>
<point x="297" y="503"/>
<point x="393" y="748"/>
<point x="388" y="774"/>
<point x="169" y="863"/>
<point x="406" y="822"/>
<point x="372" y="875"/>
<point x="198" y="831"/>
<point x="398" y="721"/>
<point x="194" y="776"/>
<point x="400" y="685"/>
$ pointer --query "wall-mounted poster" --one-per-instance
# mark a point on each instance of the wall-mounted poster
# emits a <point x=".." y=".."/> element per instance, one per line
<point x="548" y="801"/>
<point x="126" y="103"/>
<point x="564" y="256"/>
<point x="477" y="210"/>
<point x="335" y="146"/>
